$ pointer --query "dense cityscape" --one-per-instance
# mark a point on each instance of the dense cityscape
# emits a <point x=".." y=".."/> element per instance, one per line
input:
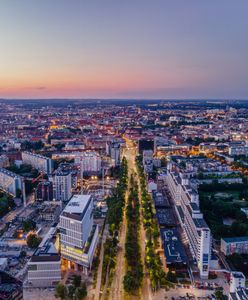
<point x="123" y="199"/>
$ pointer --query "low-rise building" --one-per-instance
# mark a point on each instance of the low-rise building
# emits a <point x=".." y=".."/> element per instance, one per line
<point x="237" y="281"/>
<point x="10" y="287"/>
<point x="233" y="245"/>
<point x="44" y="267"/>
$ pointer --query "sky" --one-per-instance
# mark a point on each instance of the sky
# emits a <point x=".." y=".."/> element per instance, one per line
<point x="132" y="49"/>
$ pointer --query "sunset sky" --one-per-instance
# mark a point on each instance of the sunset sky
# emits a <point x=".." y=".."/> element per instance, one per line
<point x="124" y="49"/>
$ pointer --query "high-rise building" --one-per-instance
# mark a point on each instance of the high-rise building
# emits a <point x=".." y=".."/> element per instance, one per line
<point x="78" y="234"/>
<point x="113" y="149"/>
<point x="62" y="185"/>
<point x="40" y="162"/>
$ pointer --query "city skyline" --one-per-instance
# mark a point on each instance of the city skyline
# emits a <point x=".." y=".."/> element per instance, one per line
<point x="125" y="50"/>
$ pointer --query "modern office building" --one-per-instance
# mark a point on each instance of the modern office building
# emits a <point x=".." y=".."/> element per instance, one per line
<point x="197" y="232"/>
<point x="62" y="185"/>
<point x="39" y="162"/>
<point x="78" y="235"/>
<point x="44" y="267"/>
<point x="10" y="182"/>
<point x="89" y="161"/>
<point x="44" y="191"/>
<point x="233" y="245"/>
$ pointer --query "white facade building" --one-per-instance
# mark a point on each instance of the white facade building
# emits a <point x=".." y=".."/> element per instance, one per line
<point x="40" y="162"/>
<point x="10" y="182"/>
<point x="62" y="185"/>
<point x="78" y="235"/>
<point x="237" y="281"/>
<point x="196" y="230"/>
<point x="89" y="161"/>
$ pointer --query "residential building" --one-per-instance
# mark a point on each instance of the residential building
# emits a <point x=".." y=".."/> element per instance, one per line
<point x="89" y="161"/>
<point x="233" y="245"/>
<point x="197" y="232"/>
<point x="78" y="235"/>
<point x="62" y="185"/>
<point x="39" y="162"/>
<point x="115" y="153"/>
<point x="148" y="160"/>
<point x="10" y="182"/>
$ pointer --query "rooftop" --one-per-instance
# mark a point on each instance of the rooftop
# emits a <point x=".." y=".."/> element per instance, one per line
<point x="236" y="239"/>
<point x="77" y="207"/>
<point x="173" y="248"/>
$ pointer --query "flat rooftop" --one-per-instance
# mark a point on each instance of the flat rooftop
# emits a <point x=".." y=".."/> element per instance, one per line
<point x="173" y="248"/>
<point x="161" y="200"/>
<point x="77" y="207"/>
<point x="236" y="239"/>
<point x="165" y="216"/>
<point x="238" y="275"/>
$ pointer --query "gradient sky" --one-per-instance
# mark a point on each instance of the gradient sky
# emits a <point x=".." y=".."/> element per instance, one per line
<point x="124" y="49"/>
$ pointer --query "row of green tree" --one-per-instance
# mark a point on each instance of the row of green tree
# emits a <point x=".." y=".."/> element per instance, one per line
<point x="134" y="275"/>
<point x="6" y="204"/>
<point x="152" y="260"/>
<point x="115" y="205"/>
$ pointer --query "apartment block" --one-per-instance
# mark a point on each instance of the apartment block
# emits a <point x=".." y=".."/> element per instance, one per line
<point x="10" y="182"/>
<point x="62" y="185"/>
<point x="196" y="230"/>
<point x="40" y="162"/>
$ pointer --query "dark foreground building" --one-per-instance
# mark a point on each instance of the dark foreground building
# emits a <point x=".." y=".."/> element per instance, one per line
<point x="10" y="287"/>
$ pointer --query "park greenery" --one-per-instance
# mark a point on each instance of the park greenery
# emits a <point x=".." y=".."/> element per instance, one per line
<point x="238" y="262"/>
<point x="28" y="225"/>
<point x="77" y="290"/>
<point x="216" y="209"/>
<point x="6" y="203"/>
<point x="152" y="260"/>
<point x="24" y="170"/>
<point x="115" y="203"/>
<point x="33" y="240"/>
<point x="134" y="273"/>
